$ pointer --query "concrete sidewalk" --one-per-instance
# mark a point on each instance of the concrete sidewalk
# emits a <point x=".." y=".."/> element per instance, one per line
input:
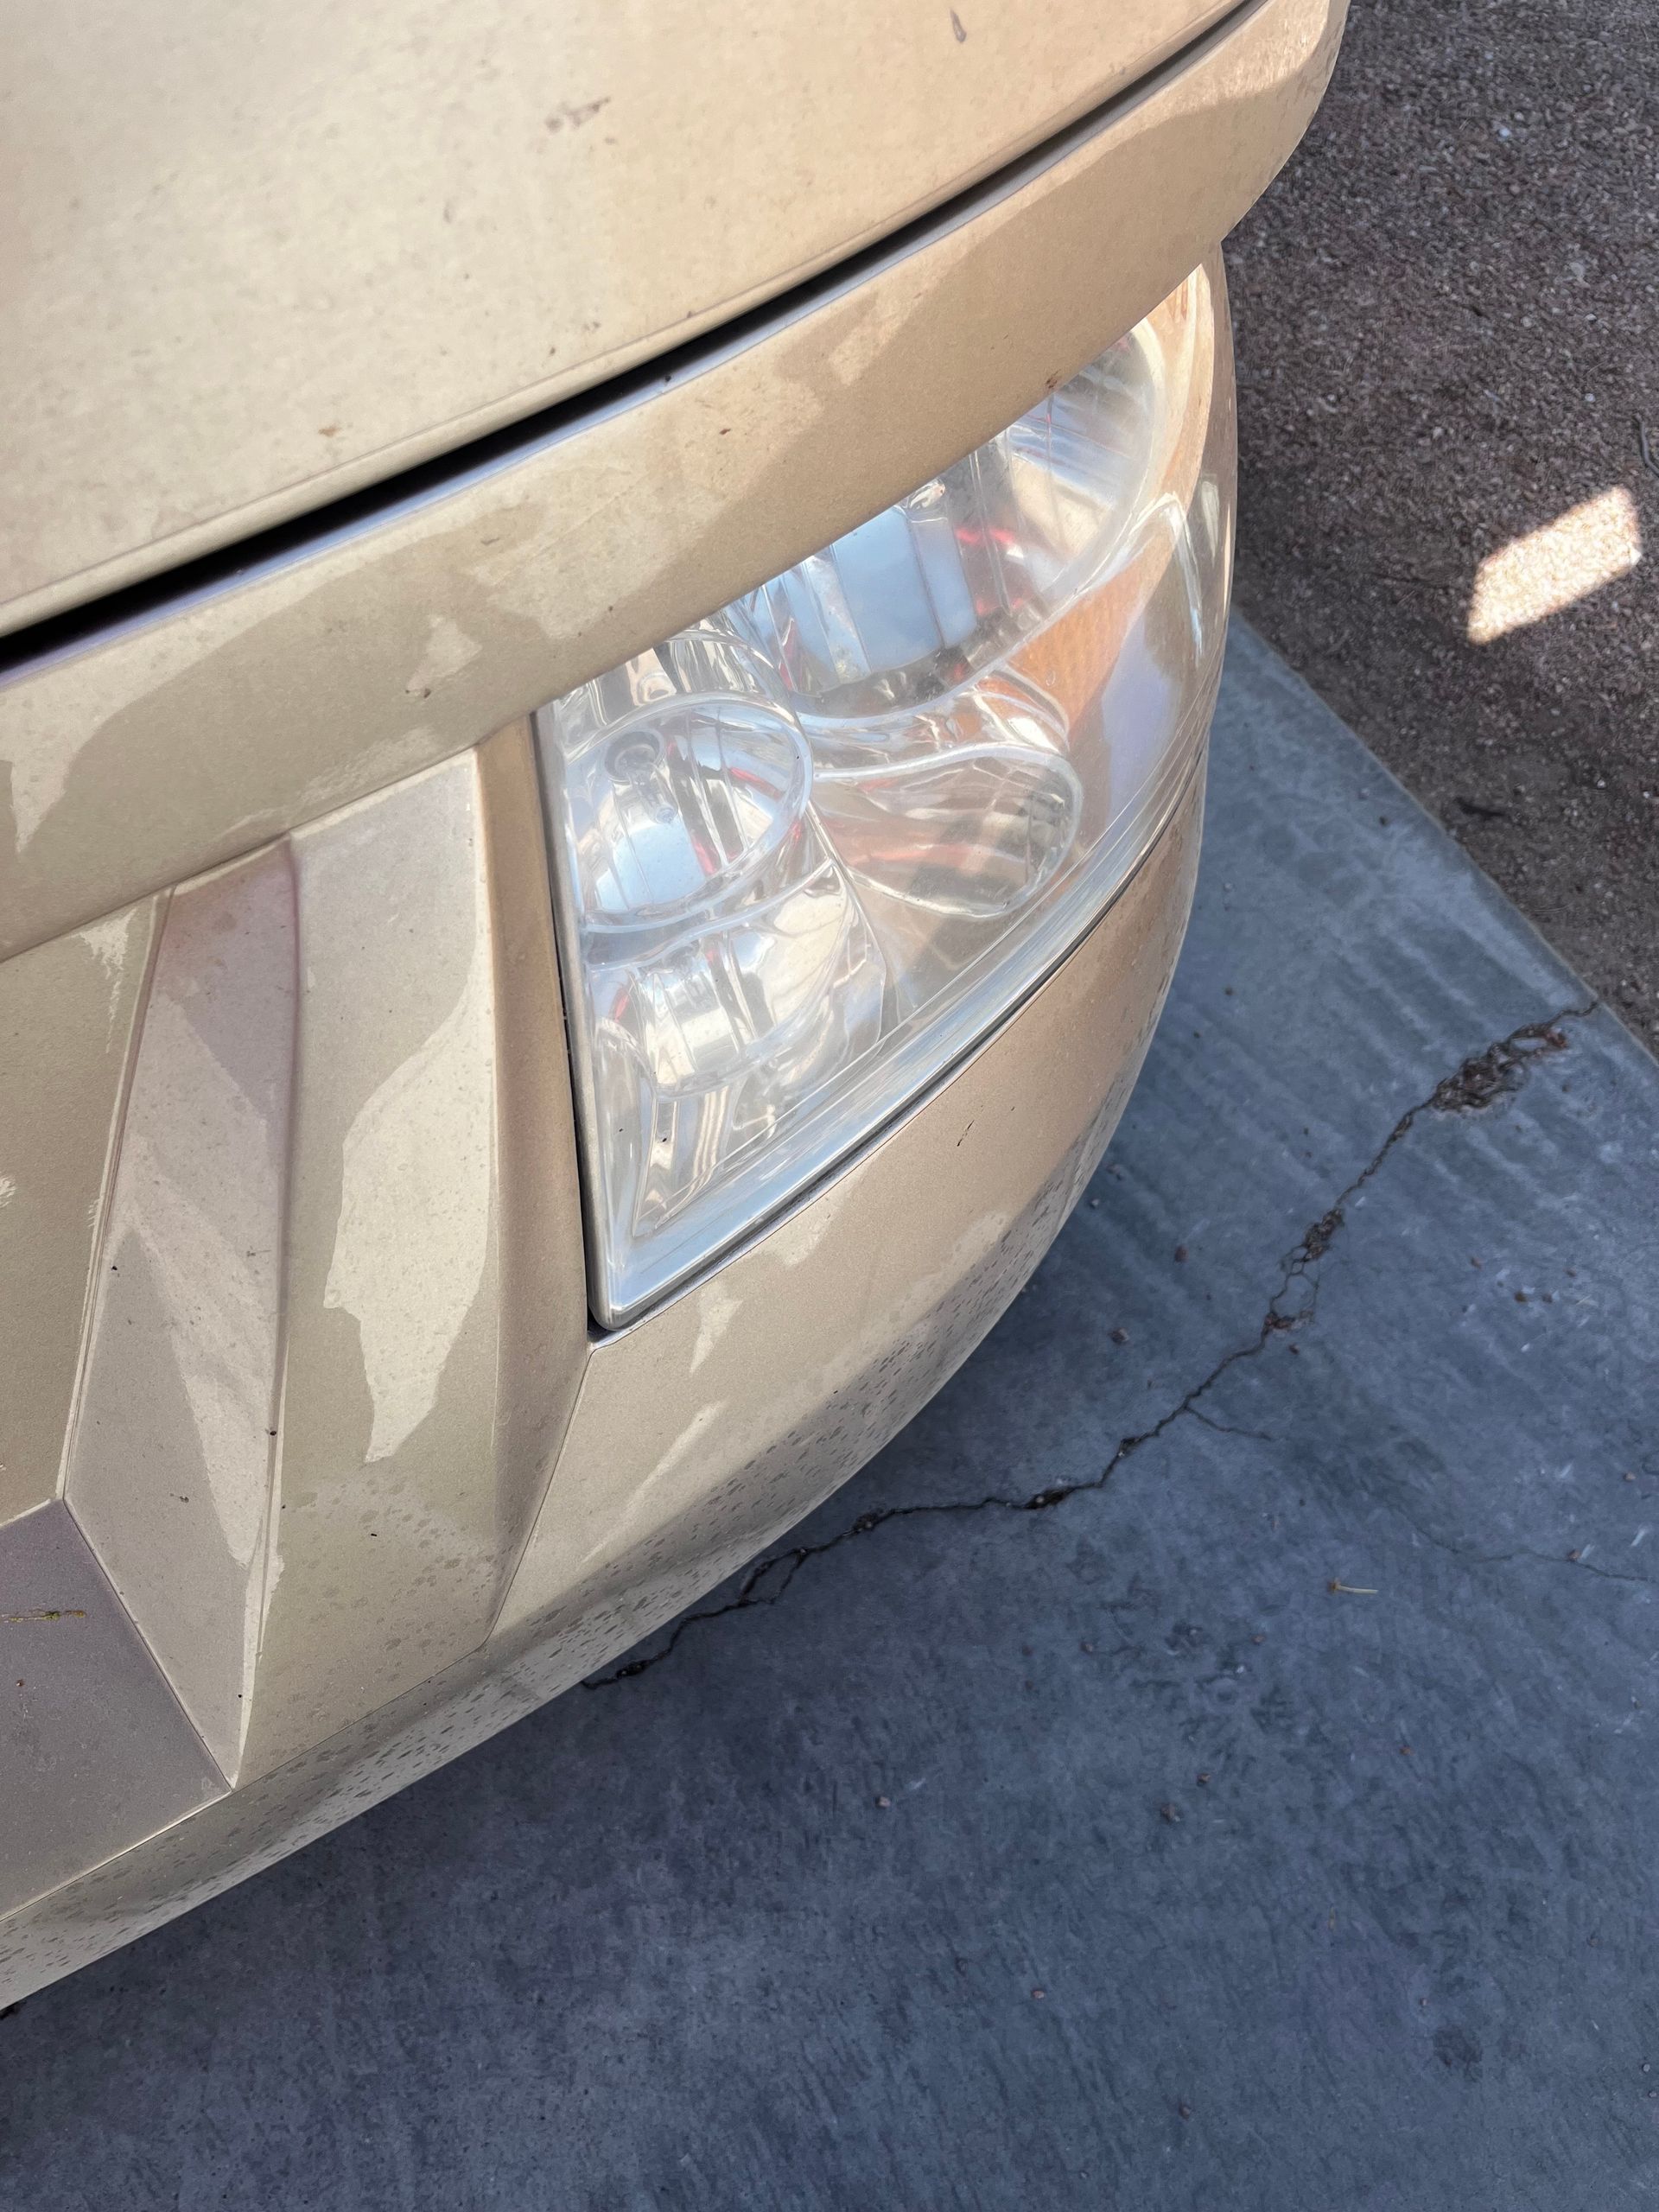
<point x="1208" y="1761"/>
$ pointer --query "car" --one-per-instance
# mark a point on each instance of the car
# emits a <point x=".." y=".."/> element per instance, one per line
<point x="610" y="630"/>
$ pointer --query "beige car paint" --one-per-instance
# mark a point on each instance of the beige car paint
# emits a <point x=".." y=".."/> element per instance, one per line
<point x="168" y="1455"/>
<point x="314" y="1441"/>
<point x="342" y="1422"/>
<point x="67" y="1012"/>
<point x="259" y="255"/>
<point x="160" y="748"/>
<point x="854" y="1308"/>
<point x="339" y="1315"/>
<point x="436" y="1322"/>
<point x="97" y="1753"/>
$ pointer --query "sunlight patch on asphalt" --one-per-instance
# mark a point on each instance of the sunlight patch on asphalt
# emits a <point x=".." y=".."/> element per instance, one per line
<point x="1532" y="577"/>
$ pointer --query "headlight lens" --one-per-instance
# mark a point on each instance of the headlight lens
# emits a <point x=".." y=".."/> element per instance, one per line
<point x="810" y="851"/>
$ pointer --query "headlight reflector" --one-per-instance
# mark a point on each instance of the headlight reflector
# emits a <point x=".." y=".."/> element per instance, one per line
<point x="813" y="849"/>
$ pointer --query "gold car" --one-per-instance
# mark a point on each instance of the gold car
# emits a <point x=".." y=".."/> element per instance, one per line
<point x="610" y="634"/>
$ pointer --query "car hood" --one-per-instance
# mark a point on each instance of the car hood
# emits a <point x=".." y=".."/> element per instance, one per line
<point x="262" y="257"/>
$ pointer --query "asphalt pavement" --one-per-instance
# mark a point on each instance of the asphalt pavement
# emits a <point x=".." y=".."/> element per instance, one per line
<point x="1208" y="1760"/>
<point x="1447" y="312"/>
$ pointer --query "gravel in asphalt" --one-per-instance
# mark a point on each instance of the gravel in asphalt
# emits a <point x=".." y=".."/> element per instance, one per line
<point x="1208" y="1759"/>
<point x="1448" y="312"/>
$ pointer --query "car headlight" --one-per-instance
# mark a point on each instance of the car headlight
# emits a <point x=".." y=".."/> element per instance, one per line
<point x="810" y="849"/>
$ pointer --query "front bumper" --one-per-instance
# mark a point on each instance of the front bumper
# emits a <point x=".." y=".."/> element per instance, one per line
<point x="312" y="1472"/>
<point x="693" y="1439"/>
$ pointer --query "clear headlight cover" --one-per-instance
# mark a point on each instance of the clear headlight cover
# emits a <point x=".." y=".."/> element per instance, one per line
<point x="812" y="849"/>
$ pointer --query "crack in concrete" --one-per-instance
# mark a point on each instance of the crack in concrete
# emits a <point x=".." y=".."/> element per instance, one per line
<point x="1478" y="1082"/>
<point x="1579" y="1565"/>
<point x="1572" y="1558"/>
<point x="1494" y="1072"/>
<point x="1230" y="1428"/>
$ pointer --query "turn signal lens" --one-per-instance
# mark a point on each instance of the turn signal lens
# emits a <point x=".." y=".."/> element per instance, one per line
<point x="810" y="851"/>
